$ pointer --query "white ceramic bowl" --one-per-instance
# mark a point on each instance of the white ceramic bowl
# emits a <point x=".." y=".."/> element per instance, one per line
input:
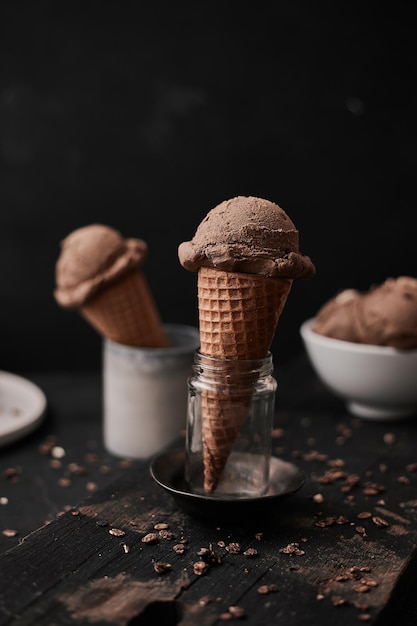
<point x="376" y="382"/>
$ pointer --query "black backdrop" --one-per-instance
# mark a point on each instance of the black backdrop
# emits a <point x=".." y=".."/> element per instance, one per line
<point x="145" y="115"/>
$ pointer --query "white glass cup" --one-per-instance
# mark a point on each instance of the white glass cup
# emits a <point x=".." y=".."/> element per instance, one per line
<point x="145" y="393"/>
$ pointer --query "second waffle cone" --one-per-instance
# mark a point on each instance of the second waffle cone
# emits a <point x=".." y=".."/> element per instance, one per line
<point x="125" y="312"/>
<point x="238" y="315"/>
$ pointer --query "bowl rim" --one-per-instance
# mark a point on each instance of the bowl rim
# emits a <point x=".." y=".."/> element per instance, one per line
<point x="308" y="335"/>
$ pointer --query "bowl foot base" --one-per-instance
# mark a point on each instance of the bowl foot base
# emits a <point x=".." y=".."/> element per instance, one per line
<point x="367" y="411"/>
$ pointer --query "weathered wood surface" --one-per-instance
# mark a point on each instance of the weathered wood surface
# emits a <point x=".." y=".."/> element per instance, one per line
<point x="341" y="550"/>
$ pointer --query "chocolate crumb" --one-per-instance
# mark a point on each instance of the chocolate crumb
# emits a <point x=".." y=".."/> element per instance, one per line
<point x="161" y="568"/>
<point x="331" y="475"/>
<point x="389" y="438"/>
<point x="150" y="538"/>
<point x="117" y="532"/>
<point x="209" y="555"/>
<point x="370" y="582"/>
<point x="179" y="548"/>
<point x="126" y="548"/>
<point x="166" y="534"/>
<point x="9" y="532"/>
<point x="237" y="611"/>
<point x="404" y="480"/>
<point x="125" y="463"/>
<point x="341" y="578"/>
<point x="161" y="526"/>
<point x="372" y="489"/>
<point x="251" y="552"/>
<point x="326" y="521"/>
<point x="379" y="521"/>
<point x="314" y="455"/>
<point x="336" y="463"/>
<point x="91" y="457"/>
<point x="351" y="480"/>
<point x="364" y="515"/>
<point x="77" y="469"/>
<point x="64" y="482"/>
<point x="265" y="589"/>
<point x="46" y="447"/>
<point x="13" y="473"/>
<point x="200" y="567"/>
<point x="357" y="570"/>
<point x="292" y="548"/>
<point x="233" y="548"/>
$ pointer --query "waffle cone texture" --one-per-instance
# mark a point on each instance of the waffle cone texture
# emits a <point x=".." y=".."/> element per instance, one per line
<point x="125" y="312"/>
<point x="238" y="316"/>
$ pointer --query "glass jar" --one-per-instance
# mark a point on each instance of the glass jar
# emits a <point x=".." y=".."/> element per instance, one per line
<point x="230" y="414"/>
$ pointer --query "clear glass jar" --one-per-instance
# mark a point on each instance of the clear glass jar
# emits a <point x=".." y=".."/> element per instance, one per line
<point x="230" y="414"/>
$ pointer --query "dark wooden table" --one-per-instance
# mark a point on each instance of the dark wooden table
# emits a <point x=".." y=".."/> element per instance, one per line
<point x="341" y="550"/>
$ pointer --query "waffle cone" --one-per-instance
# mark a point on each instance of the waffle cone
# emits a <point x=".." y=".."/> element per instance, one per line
<point x="125" y="312"/>
<point x="238" y="315"/>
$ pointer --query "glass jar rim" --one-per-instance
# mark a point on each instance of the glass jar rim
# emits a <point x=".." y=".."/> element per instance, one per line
<point x="215" y="365"/>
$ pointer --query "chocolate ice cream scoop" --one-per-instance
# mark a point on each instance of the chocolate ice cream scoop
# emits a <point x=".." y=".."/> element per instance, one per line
<point x="389" y="314"/>
<point x="338" y="318"/>
<point x="386" y="315"/>
<point x="249" y="235"/>
<point x="92" y="257"/>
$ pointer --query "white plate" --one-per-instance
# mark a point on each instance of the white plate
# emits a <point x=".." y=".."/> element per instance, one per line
<point x="22" y="407"/>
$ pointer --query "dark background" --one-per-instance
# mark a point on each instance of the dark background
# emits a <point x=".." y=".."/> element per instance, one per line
<point x="143" y="116"/>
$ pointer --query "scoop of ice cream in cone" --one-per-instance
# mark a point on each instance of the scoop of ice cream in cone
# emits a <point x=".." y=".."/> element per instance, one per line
<point x="246" y="253"/>
<point x="99" y="273"/>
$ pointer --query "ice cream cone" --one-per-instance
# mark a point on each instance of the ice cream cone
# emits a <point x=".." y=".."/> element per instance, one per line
<point x="238" y="313"/>
<point x="125" y="312"/>
<point x="99" y="274"/>
<point x="238" y="316"/>
<point x="246" y="252"/>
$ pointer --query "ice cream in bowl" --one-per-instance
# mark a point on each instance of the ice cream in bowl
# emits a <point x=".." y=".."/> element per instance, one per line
<point x="363" y="347"/>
